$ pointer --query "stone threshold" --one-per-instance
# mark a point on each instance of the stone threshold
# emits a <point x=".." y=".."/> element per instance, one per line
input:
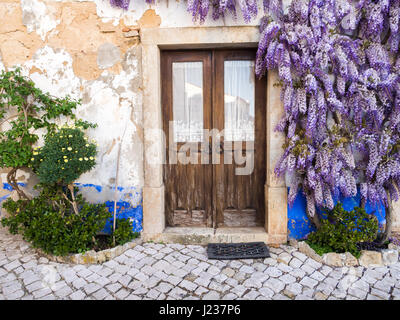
<point x="203" y="236"/>
<point x="368" y="258"/>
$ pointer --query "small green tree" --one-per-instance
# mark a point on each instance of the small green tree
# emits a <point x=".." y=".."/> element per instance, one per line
<point x="65" y="156"/>
<point x="26" y="109"/>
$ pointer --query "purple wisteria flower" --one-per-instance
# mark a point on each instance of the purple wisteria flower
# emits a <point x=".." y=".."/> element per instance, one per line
<point x="124" y="4"/>
<point x="338" y="61"/>
<point x="201" y="8"/>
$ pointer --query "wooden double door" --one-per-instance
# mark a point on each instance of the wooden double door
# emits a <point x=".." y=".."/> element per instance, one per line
<point x="214" y="122"/>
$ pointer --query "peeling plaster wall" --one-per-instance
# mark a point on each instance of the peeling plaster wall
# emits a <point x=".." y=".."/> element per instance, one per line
<point x="81" y="49"/>
<point x="1" y="64"/>
<point x="67" y="49"/>
<point x="37" y="17"/>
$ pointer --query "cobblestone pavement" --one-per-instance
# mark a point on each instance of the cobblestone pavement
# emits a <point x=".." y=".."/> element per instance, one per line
<point x="173" y="271"/>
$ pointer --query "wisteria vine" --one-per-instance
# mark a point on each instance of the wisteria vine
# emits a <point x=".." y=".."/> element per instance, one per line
<point x="200" y="9"/>
<point x="339" y="68"/>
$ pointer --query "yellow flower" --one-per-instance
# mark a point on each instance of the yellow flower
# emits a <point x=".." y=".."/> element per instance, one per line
<point x="91" y="158"/>
<point x="86" y="159"/>
<point x="35" y="153"/>
<point x="61" y="136"/>
<point x="62" y="168"/>
<point x="65" y="157"/>
<point x="41" y="159"/>
<point x="70" y="136"/>
<point x="69" y="148"/>
<point x="32" y="159"/>
<point x="65" y="160"/>
<point x="87" y="145"/>
<point x="62" y="149"/>
<point x="80" y="159"/>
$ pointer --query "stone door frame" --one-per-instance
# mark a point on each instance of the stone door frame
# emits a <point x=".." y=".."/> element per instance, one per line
<point x="155" y="39"/>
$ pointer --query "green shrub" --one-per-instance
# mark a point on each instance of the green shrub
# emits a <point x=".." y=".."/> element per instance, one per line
<point x="342" y="230"/>
<point x="321" y="250"/>
<point x="50" y="224"/>
<point x="123" y="231"/>
<point x="65" y="155"/>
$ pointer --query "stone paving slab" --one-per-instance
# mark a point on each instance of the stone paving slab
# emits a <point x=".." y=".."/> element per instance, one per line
<point x="174" y="271"/>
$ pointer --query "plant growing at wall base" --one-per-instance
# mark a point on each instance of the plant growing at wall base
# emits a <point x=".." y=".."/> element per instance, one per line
<point x="123" y="232"/>
<point x="24" y="109"/>
<point x="48" y="222"/>
<point x="343" y="230"/>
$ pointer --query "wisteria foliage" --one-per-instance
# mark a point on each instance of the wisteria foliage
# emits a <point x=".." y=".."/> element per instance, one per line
<point x="124" y="4"/>
<point x="338" y="63"/>
<point x="200" y="9"/>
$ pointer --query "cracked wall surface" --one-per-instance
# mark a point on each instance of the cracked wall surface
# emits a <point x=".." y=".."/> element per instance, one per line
<point x="66" y="48"/>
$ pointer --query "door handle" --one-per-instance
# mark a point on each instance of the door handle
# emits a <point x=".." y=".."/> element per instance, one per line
<point x="207" y="150"/>
<point x="210" y="148"/>
<point x="220" y="148"/>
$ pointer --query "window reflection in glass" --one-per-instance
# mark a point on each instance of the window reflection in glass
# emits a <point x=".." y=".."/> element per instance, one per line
<point x="187" y="87"/>
<point x="239" y="100"/>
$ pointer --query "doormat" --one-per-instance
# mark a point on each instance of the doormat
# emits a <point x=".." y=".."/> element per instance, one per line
<point x="232" y="251"/>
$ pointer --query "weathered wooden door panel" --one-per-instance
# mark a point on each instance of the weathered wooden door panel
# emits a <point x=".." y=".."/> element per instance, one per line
<point x="186" y="99"/>
<point x="232" y="101"/>
<point x="240" y="101"/>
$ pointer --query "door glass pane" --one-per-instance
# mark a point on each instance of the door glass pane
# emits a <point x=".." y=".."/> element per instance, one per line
<point x="239" y="100"/>
<point x="187" y="87"/>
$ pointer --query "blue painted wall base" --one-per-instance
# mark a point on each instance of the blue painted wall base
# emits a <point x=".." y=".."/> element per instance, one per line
<point x="125" y="211"/>
<point x="8" y="187"/>
<point x="300" y="226"/>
